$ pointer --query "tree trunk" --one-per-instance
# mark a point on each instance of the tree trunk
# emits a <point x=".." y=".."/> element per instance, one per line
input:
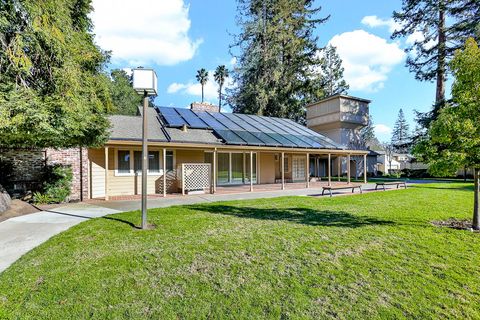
<point x="476" y="217"/>
<point x="202" y="93"/>
<point x="220" y="99"/>
<point x="441" y="64"/>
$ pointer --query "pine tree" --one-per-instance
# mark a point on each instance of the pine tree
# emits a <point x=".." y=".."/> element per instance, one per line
<point x="278" y="55"/>
<point x="125" y="99"/>
<point x="441" y="27"/>
<point x="401" y="134"/>
<point x="332" y="72"/>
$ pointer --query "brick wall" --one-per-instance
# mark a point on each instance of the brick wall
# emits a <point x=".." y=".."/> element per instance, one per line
<point x="204" y="106"/>
<point x="77" y="159"/>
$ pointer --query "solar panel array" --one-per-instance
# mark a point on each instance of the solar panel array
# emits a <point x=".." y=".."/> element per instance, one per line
<point x="243" y="129"/>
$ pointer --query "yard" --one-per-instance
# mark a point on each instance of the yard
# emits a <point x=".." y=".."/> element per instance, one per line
<point x="375" y="255"/>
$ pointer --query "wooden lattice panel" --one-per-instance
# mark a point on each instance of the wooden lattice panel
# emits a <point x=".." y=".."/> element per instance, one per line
<point x="196" y="176"/>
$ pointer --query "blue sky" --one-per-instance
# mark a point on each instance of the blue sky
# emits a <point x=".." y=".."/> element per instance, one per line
<point x="178" y="37"/>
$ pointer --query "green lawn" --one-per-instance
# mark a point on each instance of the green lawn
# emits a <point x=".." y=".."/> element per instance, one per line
<point x="366" y="256"/>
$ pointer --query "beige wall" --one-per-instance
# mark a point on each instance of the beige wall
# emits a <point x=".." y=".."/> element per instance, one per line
<point x="267" y="167"/>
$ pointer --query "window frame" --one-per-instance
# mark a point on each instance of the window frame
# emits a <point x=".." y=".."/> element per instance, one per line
<point x="132" y="171"/>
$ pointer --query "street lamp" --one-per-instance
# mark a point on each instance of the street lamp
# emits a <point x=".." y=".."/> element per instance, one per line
<point x="145" y="83"/>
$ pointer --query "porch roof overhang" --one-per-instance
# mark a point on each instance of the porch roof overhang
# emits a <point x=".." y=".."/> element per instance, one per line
<point x="220" y="146"/>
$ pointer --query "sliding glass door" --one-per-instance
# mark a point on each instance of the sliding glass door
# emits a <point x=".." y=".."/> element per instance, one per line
<point x="233" y="167"/>
<point x="223" y="168"/>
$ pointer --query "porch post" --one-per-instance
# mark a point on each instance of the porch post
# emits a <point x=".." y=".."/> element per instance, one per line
<point x="215" y="170"/>
<point x="164" y="172"/>
<point x="364" y="168"/>
<point x="183" y="179"/>
<point x="106" y="173"/>
<point x="329" y="169"/>
<point x="307" y="171"/>
<point x="348" y="168"/>
<point x="339" y="169"/>
<point x="251" y="171"/>
<point x="283" y="170"/>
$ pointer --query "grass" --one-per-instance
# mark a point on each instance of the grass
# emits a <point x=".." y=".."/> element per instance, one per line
<point x="367" y="256"/>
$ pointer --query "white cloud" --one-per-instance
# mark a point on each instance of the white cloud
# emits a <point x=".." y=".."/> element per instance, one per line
<point x="193" y="88"/>
<point x="367" y="59"/>
<point x="233" y="61"/>
<point x="144" y="31"/>
<point x="374" y="22"/>
<point x="382" y="129"/>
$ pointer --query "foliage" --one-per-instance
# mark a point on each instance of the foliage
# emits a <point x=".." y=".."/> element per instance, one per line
<point x="56" y="184"/>
<point x="221" y="73"/>
<point x="401" y="134"/>
<point x="277" y="58"/>
<point x="202" y="78"/>
<point x="453" y="139"/>
<point x="124" y="98"/>
<point x="53" y="91"/>
<point x="6" y="173"/>
<point x="438" y="28"/>
<point x="370" y="256"/>
<point x="331" y="72"/>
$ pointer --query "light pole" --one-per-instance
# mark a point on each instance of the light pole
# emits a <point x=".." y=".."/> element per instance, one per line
<point x="144" y="83"/>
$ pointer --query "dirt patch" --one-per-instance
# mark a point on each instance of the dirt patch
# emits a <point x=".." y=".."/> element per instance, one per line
<point x="455" y="224"/>
<point x="18" y="208"/>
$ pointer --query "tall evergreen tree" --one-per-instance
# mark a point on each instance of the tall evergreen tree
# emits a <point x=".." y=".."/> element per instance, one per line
<point x="277" y="58"/>
<point x="332" y="72"/>
<point x="53" y="89"/>
<point x="125" y="99"/>
<point x="401" y="134"/>
<point x="221" y="73"/>
<point x="439" y="27"/>
<point x="202" y="78"/>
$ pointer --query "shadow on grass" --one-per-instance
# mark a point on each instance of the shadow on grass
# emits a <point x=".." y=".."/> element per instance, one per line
<point x="131" y="224"/>
<point x="304" y="216"/>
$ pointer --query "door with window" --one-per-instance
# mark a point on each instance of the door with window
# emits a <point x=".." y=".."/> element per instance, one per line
<point x="298" y="168"/>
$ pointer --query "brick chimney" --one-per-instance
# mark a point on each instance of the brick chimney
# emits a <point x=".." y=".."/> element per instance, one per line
<point x="204" y="106"/>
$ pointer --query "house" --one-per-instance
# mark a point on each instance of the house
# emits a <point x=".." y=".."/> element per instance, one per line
<point x="201" y="150"/>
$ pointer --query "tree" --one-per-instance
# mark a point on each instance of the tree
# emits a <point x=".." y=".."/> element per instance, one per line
<point x="332" y="72"/>
<point x="202" y="77"/>
<point x="221" y="73"/>
<point x="401" y="134"/>
<point x="389" y="152"/>
<point x="437" y="28"/>
<point x="453" y="139"/>
<point x="53" y="89"/>
<point x="125" y="99"/>
<point x="277" y="62"/>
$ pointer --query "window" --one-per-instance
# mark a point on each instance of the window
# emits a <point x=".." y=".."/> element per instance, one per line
<point x="123" y="161"/>
<point x="169" y="162"/>
<point x="153" y="161"/>
<point x="285" y="164"/>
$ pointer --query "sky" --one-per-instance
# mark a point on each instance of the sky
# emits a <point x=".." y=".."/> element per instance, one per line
<point x="178" y="37"/>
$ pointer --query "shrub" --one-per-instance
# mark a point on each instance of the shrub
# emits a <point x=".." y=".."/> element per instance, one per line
<point x="56" y="182"/>
<point x="6" y="174"/>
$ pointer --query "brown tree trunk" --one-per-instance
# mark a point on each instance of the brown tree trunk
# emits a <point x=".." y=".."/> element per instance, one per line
<point x="441" y="64"/>
<point x="476" y="217"/>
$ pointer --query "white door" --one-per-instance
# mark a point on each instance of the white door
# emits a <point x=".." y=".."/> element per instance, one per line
<point x="298" y="168"/>
<point x="97" y="180"/>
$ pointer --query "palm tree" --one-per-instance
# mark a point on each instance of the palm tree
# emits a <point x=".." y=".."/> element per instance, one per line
<point x="221" y="73"/>
<point x="202" y="77"/>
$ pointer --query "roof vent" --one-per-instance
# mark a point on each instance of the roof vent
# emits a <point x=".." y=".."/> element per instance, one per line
<point x="184" y="128"/>
<point x="204" y="106"/>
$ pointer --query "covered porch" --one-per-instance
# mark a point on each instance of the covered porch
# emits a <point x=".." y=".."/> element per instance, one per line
<point x="184" y="169"/>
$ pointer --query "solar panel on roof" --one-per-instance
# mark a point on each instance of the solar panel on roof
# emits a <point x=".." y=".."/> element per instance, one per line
<point x="210" y="121"/>
<point x="278" y="129"/>
<point x="258" y="123"/>
<point x="267" y="139"/>
<point x="327" y="142"/>
<point x="245" y="135"/>
<point x="193" y="120"/>
<point x="230" y="137"/>
<point x="172" y="117"/>
<point x="288" y="126"/>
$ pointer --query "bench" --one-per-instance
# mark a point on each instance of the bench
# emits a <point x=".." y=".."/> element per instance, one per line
<point x="342" y="187"/>
<point x="391" y="183"/>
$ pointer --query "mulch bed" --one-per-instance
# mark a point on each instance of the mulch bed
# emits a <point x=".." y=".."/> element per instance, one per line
<point x="455" y="224"/>
<point x="18" y="208"/>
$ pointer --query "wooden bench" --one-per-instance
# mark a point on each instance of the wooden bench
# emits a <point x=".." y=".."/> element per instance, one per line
<point x="391" y="183"/>
<point x="342" y="187"/>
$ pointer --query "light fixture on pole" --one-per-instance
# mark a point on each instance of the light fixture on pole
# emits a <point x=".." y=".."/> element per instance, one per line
<point x="144" y="83"/>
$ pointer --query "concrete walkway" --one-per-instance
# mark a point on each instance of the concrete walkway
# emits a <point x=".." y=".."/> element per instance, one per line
<point x="21" y="234"/>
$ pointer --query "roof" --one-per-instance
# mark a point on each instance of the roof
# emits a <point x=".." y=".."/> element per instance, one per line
<point x="238" y="129"/>
<point x="130" y="127"/>
<point x="340" y="96"/>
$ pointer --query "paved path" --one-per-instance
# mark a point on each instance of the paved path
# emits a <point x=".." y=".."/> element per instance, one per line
<point x="21" y="234"/>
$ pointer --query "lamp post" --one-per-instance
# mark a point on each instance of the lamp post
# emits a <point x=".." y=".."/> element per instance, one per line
<point x="144" y="83"/>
